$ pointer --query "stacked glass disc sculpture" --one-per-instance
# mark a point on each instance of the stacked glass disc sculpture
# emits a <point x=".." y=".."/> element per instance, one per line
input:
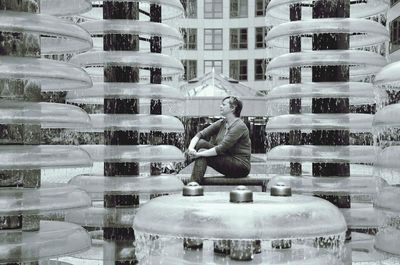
<point x="130" y="137"/>
<point x="29" y="29"/>
<point x="240" y="227"/>
<point x="326" y="55"/>
<point x="386" y="128"/>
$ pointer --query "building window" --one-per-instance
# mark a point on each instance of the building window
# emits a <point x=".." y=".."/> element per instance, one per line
<point x="261" y="33"/>
<point x="238" y="38"/>
<point x="210" y="64"/>
<point x="190" y="67"/>
<point x="212" y="39"/>
<point x="238" y="8"/>
<point x="260" y="67"/>
<point x="189" y="38"/>
<point x="394" y="35"/>
<point x="213" y="8"/>
<point x="260" y="8"/>
<point x="238" y="69"/>
<point x="190" y="7"/>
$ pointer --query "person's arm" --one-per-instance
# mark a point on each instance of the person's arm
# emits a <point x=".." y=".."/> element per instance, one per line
<point x="207" y="153"/>
<point x="193" y="143"/>
<point x="210" y="130"/>
<point x="205" y="133"/>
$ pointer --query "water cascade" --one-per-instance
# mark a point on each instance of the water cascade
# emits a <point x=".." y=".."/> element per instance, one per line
<point x="240" y="227"/>
<point x="28" y="29"/>
<point x="328" y="52"/>
<point x="386" y="128"/>
<point x="130" y="137"/>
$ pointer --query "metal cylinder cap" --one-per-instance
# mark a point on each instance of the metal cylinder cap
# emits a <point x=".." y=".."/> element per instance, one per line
<point x="193" y="189"/>
<point x="241" y="194"/>
<point x="280" y="189"/>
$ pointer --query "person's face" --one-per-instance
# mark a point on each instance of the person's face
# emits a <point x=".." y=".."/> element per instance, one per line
<point x="225" y="108"/>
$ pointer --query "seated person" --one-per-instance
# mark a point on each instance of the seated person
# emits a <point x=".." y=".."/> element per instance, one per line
<point x="229" y="149"/>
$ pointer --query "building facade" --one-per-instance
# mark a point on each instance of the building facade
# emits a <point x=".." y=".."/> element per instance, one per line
<point x="227" y="35"/>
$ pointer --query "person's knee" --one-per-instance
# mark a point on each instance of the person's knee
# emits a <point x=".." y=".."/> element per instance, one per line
<point x="202" y="144"/>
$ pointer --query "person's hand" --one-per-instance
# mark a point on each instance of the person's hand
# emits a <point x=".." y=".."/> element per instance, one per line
<point x="191" y="152"/>
<point x="195" y="155"/>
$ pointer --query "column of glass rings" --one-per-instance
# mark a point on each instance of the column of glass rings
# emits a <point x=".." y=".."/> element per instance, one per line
<point x="133" y="137"/>
<point x="386" y="131"/>
<point x="326" y="55"/>
<point x="27" y="30"/>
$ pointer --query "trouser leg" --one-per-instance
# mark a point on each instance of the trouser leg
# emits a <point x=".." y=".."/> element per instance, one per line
<point x="200" y="164"/>
<point x="228" y="166"/>
<point x="199" y="170"/>
<point x="201" y="144"/>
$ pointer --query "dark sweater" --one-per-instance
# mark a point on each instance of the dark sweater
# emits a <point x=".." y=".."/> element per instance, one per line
<point x="233" y="141"/>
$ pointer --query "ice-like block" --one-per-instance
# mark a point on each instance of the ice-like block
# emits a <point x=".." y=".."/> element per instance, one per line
<point x="135" y="122"/>
<point x="126" y="90"/>
<point x="42" y="156"/>
<point x="48" y="198"/>
<point x="52" y="75"/>
<point x="212" y="216"/>
<point x="52" y="240"/>
<point x="48" y="115"/>
<point x="361" y="32"/>
<point x="171" y="37"/>
<point x="59" y="36"/>
<point x="353" y="122"/>
<point x="362" y="63"/>
<point x="97" y="185"/>
<point x="169" y="64"/>
<point x="323" y="154"/>
<point x="134" y="153"/>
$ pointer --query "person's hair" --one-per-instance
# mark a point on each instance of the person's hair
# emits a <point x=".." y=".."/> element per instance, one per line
<point x="236" y="104"/>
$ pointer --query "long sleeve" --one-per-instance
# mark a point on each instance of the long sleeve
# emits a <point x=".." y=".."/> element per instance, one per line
<point x="211" y="130"/>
